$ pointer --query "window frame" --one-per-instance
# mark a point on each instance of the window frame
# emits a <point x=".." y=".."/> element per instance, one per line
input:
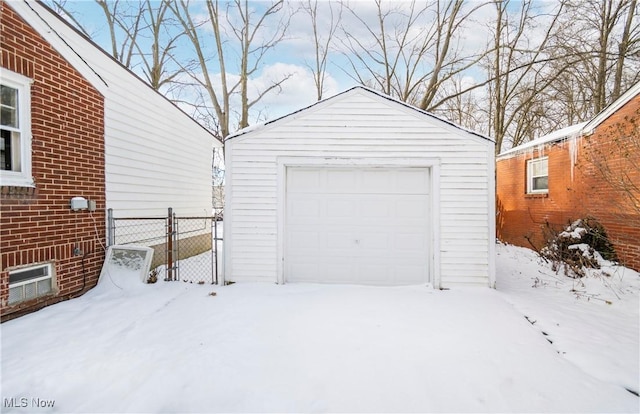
<point x="22" y="84"/>
<point x="530" y="177"/>
<point x="34" y="280"/>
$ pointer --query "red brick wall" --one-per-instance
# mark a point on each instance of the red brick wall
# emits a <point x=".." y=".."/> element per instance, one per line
<point x="67" y="121"/>
<point x="610" y="154"/>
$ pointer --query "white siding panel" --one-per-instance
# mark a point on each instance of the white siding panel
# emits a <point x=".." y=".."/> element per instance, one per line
<point x="147" y="153"/>
<point x="358" y="126"/>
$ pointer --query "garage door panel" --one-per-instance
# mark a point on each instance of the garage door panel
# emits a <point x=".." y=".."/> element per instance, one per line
<point x="338" y="272"/>
<point x="408" y="274"/>
<point x="369" y="242"/>
<point x="339" y="180"/>
<point x="305" y="239"/>
<point x="303" y="180"/>
<point x="340" y="208"/>
<point x="339" y="240"/>
<point x="375" y="274"/>
<point x="412" y="181"/>
<point x="305" y="208"/>
<point x="357" y="225"/>
<point x="359" y="241"/>
<point x="413" y="207"/>
<point x="377" y="181"/>
<point x="410" y="242"/>
<point x="375" y="207"/>
<point x="305" y="272"/>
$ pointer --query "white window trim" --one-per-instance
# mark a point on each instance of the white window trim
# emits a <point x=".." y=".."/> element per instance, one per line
<point x="49" y="275"/>
<point x="22" y="83"/>
<point x="530" y="176"/>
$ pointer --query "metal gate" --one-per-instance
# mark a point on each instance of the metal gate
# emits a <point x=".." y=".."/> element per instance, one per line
<point x="184" y="248"/>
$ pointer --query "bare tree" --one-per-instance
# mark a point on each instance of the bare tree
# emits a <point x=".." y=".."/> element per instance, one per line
<point x="545" y="65"/>
<point x="141" y="34"/>
<point x="160" y="29"/>
<point x="463" y="107"/>
<point x="605" y="35"/>
<point x="614" y="157"/>
<point x="519" y="73"/>
<point x="321" y="41"/>
<point x="448" y="62"/>
<point x="122" y="21"/>
<point x="62" y="7"/>
<point x="629" y="44"/>
<point x="411" y="50"/>
<point x="242" y="35"/>
<point x="610" y="13"/>
<point x="120" y="17"/>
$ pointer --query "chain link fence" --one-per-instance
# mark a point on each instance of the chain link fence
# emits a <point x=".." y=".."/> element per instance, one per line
<point x="196" y="259"/>
<point x="184" y="248"/>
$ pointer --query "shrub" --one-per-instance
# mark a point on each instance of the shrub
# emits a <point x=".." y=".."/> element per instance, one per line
<point x="582" y="244"/>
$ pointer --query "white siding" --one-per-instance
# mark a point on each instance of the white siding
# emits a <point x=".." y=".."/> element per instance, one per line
<point x="156" y="156"/>
<point x="360" y="124"/>
<point x="160" y="164"/>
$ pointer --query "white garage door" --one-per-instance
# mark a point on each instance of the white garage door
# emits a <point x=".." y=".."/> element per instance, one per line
<point x="357" y="225"/>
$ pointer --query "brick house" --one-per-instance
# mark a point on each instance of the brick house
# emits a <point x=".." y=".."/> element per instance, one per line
<point x="75" y="123"/>
<point x="586" y="170"/>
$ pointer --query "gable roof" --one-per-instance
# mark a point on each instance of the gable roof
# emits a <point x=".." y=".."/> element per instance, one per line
<point x="97" y="66"/>
<point x="577" y="130"/>
<point x="558" y="135"/>
<point x="350" y="91"/>
<point x="631" y="93"/>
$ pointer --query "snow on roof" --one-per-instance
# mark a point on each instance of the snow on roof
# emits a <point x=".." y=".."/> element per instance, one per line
<point x="559" y="135"/>
<point x="258" y="126"/>
<point x="631" y="93"/>
<point x="583" y="128"/>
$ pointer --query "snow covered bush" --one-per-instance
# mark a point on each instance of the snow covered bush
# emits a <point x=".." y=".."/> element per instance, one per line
<point x="582" y="244"/>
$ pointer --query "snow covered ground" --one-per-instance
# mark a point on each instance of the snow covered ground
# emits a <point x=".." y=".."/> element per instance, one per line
<point x="532" y="345"/>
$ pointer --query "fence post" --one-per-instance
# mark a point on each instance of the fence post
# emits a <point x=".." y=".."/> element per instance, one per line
<point x="215" y="247"/>
<point x="170" y="244"/>
<point x="176" y="246"/>
<point x="111" y="228"/>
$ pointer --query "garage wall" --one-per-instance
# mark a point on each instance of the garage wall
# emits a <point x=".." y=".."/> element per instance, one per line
<point x="361" y="124"/>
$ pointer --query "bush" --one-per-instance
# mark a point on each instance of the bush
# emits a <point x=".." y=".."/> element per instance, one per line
<point x="582" y="244"/>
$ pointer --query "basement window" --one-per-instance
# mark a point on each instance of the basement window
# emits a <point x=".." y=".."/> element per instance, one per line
<point x="30" y="283"/>
<point x="15" y="130"/>
<point x="538" y="176"/>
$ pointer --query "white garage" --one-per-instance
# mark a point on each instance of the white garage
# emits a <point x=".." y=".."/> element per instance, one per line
<point x="361" y="189"/>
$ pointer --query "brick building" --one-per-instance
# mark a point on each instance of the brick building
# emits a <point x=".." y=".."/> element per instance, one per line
<point x="52" y="150"/>
<point x="587" y="170"/>
<point x="75" y="124"/>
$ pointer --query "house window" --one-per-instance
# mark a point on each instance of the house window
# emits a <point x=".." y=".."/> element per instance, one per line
<point x="538" y="175"/>
<point x="29" y="283"/>
<point x="15" y="130"/>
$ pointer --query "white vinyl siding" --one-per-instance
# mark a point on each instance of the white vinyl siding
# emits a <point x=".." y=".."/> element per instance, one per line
<point x="171" y="164"/>
<point x="360" y="125"/>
